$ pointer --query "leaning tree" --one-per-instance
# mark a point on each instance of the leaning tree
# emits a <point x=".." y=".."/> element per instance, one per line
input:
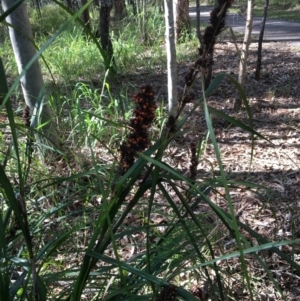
<point x="32" y="82"/>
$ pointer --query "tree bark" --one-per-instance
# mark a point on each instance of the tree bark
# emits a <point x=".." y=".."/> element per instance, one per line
<point x="69" y="4"/>
<point x="85" y="15"/>
<point x="181" y="17"/>
<point x="198" y="22"/>
<point x="120" y="9"/>
<point x="143" y="21"/>
<point x="32" y="82"/>
<point x="244" y="53"/>
<point x="260" y="40"/>
<point x="171" y="57"/>
<point x="106" y="44"/>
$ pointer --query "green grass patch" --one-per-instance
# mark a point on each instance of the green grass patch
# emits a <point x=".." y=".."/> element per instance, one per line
<point x="291" y="13"/>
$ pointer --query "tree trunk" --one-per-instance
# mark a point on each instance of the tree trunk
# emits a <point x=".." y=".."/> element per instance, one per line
<point x="143" y="21"/>
<point x="260" y="40"/>
<point x="171" y="57"/>
<point x="120" y="9"/>
<point x="181" y="17"/>
<point x="85" y="15"/>
<point x="198" y="22"/>
<point x="105" y="41"/>
<point x="38" y="9"/>
<point x="134" y="6"/>
<point x="244" y="53"/>
<point x="69" y="4"/>
<point x="32" y="81"/>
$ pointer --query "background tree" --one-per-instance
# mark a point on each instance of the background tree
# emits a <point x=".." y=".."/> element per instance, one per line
<point x="120" y="9"/>
<point x="69" y="4"/>
<point x="244" y="52"/>
<point x="32" y="82"/>
<point x="106" y="44"/>
<point x="159" y="4"/>
<point x="171" y="56"/>
<point x="181" y="17"/>
<point x="143" y="21"/>
<point x="260" y="40"/>
<point x="85" y="15"/>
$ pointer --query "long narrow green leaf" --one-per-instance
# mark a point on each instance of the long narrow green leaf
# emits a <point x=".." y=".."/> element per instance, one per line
<point x="14" y="203"/>
<point x="236" y="122"/>
<point x="178" y="176"/>
<point x="4" y="274"/>
<point x="181" y="292"/>
<point x="237" y="234"/>
<point x="122" y="189"/>
<point x="246" y="103"/>
<point x="10" y="115"/>
<point x="258" y="248"/>
<point x="18" y="284"/>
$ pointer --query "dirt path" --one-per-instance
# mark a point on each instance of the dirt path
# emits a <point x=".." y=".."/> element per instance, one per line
<point x="275" y="30"/>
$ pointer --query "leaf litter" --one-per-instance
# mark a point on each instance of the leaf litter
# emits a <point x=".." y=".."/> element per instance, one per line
<point x="274" y="103"/>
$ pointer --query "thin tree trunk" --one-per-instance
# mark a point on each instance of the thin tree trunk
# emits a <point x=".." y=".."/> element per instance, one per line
<point x="260" y="40"/>
<point x="144" y="20"/>
<point x="134" y="6"/>
<point x="120" y="9"/>
<point x="171" y="56"/>
<point x="32" y="81"/>
<point x="38" y="8"/>
<point x="244" y="52"/>
<point x="85" y="15"/>
<point x="105" y="41"/>
<point x="69" y="4"/>
<point x="181" y="17"/>
<point x="198" y="22"/>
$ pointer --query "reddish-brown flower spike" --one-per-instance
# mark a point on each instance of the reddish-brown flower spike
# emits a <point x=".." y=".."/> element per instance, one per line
<point x="143" y="115"/>
<point x="26" y="116"/>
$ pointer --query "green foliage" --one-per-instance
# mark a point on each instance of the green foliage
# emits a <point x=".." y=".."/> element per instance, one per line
<point x="288" y="13"/>
<point x="52" y="18"/>
<point x="73" y="58"/>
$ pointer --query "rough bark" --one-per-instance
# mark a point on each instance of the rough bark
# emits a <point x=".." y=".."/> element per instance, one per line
<point x="260" y="40"/>
<point x="134" y="4"/>
<point x="106" y="44"/>
<point x="244" y="52"/>
<point x="171" y="56"/>
<point x="198" y="31"/>
<point x="120" y="9"/>
<point x="143" y="21"/>
<point x="69" y="4"/>
<point x="32" y="81"/>
<point x="85" y="15"/>
<point x="181" y="17"/>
